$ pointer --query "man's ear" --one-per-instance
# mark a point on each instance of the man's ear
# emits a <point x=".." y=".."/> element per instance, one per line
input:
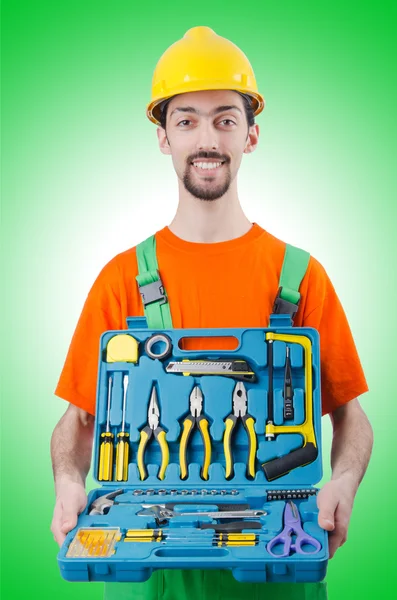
<point x="252" y="139"/>
<point x="163" y="141"/>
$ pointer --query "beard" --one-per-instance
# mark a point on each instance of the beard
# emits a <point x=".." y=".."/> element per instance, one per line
<point x="206" y="191"/>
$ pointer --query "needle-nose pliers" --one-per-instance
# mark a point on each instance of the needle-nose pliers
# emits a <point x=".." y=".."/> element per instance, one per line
<point x="153" y="429"/>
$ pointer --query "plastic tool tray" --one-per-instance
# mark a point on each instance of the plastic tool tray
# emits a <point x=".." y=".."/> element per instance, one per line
<point x="119" y="544"/>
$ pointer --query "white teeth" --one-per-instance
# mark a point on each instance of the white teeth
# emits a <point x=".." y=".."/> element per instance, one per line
<point x="207" y="165"/>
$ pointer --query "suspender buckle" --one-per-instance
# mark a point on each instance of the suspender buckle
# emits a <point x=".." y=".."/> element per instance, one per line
<point x="153" y="292"/>
<point x="284" y="307"/>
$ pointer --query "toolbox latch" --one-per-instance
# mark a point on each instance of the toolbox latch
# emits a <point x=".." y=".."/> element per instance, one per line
<point x="153" y="292"/>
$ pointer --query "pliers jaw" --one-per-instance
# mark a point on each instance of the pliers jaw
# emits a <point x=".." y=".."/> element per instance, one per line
<point x="153" y="411"/>
<point x="240" y="400"/>
<point x="196" y="401"/>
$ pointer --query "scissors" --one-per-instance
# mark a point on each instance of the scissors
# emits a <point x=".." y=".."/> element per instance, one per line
<point x="292" y="526"/>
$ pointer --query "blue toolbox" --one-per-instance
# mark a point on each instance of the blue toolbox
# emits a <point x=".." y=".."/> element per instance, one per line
<point x="206" y="459"/>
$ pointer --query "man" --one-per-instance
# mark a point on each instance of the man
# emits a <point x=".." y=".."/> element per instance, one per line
<point x="219" y="270"/>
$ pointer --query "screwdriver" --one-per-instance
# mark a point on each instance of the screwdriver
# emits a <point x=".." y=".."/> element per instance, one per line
<point x="123" y="447"/>
<point x="106" y="449"/>
<point x="288" y="391"/>
<point x="219" y="539"/>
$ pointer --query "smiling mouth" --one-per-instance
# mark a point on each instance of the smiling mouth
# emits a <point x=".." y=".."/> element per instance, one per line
<point x="207" y="168"/>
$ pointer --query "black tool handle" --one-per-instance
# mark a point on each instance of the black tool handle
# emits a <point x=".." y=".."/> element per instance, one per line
<point x="288" y="390"/>
<point x="234" y="527"/>
<point x="284" y="464"/>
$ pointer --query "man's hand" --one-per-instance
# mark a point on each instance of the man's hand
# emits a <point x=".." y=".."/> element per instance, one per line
<point x="71" y="500"/>
<point x="335" y="504"/>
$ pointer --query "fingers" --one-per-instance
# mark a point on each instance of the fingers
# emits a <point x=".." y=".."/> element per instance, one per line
<point x="339" y="536"/>
<point x="69" y="504"/>
<point x="69" y="520"/>
<point x="56" y="524"/>
<point x="327" y="502"/>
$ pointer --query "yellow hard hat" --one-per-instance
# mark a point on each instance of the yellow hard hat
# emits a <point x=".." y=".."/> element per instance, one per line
<point x="202" y="60"/>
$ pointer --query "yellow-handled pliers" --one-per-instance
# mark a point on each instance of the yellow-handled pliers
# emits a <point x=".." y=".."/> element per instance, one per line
<point x="195" y="419"/>
<point x="240" y="412"/>
<point x="153" y="429"/>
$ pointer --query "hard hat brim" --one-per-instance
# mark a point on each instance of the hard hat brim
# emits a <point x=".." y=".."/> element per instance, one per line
<point x="153" y="109"/>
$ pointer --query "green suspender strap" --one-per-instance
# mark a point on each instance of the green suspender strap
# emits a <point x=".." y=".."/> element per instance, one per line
<point x="151" y="288"/>
<point x="293" y="271"/>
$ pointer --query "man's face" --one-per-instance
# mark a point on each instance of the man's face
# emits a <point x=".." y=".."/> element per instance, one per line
<point x="206" y="134"/>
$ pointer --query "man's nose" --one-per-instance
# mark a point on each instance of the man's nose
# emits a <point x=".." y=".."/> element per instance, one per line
<point x="207" y="138"/>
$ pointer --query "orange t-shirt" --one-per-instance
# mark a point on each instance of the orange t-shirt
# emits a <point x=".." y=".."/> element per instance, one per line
<point x="223" y="284"/>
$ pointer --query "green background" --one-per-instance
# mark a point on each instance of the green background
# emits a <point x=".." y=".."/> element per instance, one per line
<point x="83" y="179"/>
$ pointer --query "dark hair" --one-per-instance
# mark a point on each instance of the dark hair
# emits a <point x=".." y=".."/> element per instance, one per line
<point x="247" y="101"/>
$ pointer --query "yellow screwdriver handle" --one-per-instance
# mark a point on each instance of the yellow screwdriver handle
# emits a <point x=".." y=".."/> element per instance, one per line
<point x="165" y="453"/>
<point x="203" y="426"/>
<point x="106" y="457"/>
<point x="122" y="457"/>
<point x="252" y="445"/>
<point x="230" y="423"/>
<point x="188" y="425"/>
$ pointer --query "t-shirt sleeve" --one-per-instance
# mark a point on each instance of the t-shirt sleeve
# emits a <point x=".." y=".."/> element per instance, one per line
<point x="101" y="312"/>
<point x="342" y="375"/>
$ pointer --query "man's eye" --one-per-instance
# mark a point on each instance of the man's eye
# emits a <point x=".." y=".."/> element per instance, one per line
<point x="227" y="120"/>
<point x="184" y="121"/>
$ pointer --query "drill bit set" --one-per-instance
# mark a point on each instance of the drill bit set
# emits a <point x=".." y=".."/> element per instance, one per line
<point x="217" y="453"/>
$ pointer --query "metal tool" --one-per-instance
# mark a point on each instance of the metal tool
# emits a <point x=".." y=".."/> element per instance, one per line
<point x="107" y="443"/>
<point x="236" y="368"/>
<point x="153" y="430"/>
<point x="102" y="505"/>
<point x="288" y="392"/>
<point x="232" y="526"/>
<point x="162" y="514"/>
<point x="222" y="506"/>
<point x="123" y="445"/>
<point x="162" y="340"/>
<point x="97" y="542"/>
<point x="292" y="527"/>
<point x="196" y="539"/>
<point x="240" y="412"/>
<point x="195" y="419"/>
<point x="279" y="466"/>
<point x="292" y="494"/>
